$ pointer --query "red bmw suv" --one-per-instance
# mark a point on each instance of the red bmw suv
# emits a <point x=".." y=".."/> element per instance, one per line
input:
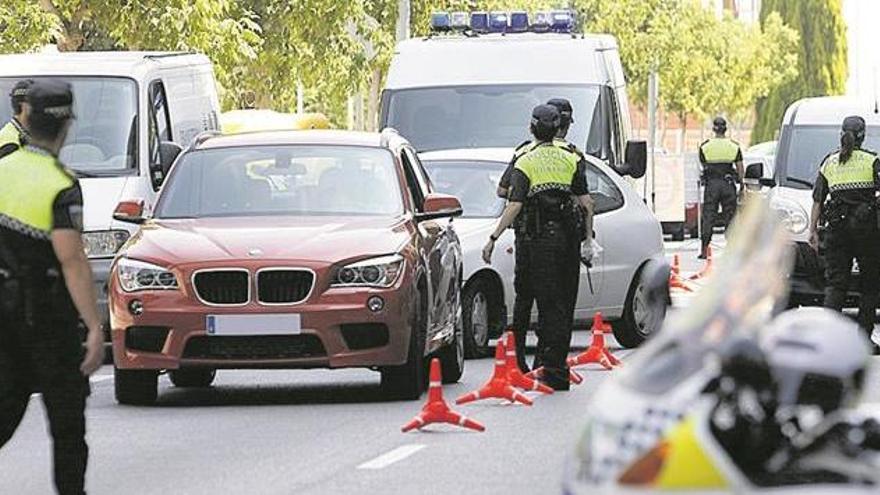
<point x="297" y="249"/>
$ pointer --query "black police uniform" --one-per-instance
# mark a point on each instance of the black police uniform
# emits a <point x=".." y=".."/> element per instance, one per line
<point x="548" y="253"/>
<point x="40" y="342"/>
<point x="851" y="229"/>
<point x="718" y="156"/>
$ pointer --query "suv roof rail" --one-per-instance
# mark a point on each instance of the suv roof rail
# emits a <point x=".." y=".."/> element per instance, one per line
<point x="202" y="137"/>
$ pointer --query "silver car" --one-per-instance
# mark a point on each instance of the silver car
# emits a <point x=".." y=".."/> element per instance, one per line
<point x="627" y="231"/>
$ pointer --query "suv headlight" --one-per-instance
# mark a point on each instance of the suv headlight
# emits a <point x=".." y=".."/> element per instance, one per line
<point x="103" y="243"/>
<point x="138" y="275"/>
<point x="374" y="272"/>
<point x="792" y="215"/>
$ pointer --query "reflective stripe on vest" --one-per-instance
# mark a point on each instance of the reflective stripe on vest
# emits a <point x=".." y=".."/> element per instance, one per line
<point x="720" y="150"/>
<point x="30" y="180"/>
<point x="9" y="134"/>
<point x="855" y="173"/>
<point x="548" y="167"/>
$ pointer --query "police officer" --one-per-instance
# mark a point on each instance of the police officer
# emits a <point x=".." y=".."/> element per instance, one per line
<point x="718" y="157"/>
<point x="13" y="135"/>
<point x="522" y="306"/>
<point x="47" y="284"/>
<point x="542" y="186"/>
<point x="851" y="177"/>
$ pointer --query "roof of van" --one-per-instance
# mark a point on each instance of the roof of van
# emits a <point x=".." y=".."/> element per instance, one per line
<point x="831" y="110"/>
<point x="119" y="63"/>
<point x="499" y="59"/>
<point x="281" y="138"/>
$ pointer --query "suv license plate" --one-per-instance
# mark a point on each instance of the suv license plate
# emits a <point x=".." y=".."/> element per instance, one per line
<point x="276" y="324"/>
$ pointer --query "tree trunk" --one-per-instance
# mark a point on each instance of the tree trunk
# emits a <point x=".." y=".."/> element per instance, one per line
<point x="72" y="36"/>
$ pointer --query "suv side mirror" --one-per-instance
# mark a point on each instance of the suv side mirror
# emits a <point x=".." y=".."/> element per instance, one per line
<point x="131" y="211"/>
<point x="635" y="159"/>
<point x="755" y="170"/>
<point x="438" y="205"/>
<point x="168" y="152"/>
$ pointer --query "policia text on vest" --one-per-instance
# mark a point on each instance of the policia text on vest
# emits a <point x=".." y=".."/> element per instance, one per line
<point x="47" y="287"/>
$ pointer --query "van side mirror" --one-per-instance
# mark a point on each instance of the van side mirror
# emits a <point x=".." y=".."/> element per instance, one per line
<point x="168" y="152"/>
<point x="755" y="171"/>
<point x="130" y="211"/>
<point x="767" y="181"/>
<point x="635" y="162"/>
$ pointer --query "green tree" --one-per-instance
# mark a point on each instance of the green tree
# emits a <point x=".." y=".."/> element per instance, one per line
<point x="821" y="63"/>
<point x="24" y="26"/>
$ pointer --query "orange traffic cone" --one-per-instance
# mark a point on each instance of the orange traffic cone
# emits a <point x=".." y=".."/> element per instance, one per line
<point x="675" y="280"/>
<point x="707" y="268"/>
<point x="573" y="377"/>
<point x="596" y="353"/>
<point x="499" y="386"/>
<point x="436" y="410"/>
<point x="600" y="323"/>
<point x="514" y="375"/>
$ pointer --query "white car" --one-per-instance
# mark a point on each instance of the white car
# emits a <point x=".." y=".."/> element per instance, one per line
<point x="627" y="231"/>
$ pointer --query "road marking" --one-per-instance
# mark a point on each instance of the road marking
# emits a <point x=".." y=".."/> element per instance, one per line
<point x="389" y="458"/>
<point x="100" y="378"/>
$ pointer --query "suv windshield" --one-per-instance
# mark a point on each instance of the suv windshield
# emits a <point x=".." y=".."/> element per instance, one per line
<point x="487" y="116"/>
<point x="803" y="152"/>
<point x="282" y="180"/>
<point x="472" y="182"/>
<point x="103" y="138"/>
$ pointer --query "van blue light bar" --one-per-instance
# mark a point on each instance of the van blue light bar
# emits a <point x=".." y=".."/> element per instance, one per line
<point x="498" y="22"/>
<point x="562" y="21"/>
<point x="460" y="20"/>
<point x="440" y="21"/>
<point x="480" y="22"/>
<point x="541" y="22"/>
<point x="519" y="21"/>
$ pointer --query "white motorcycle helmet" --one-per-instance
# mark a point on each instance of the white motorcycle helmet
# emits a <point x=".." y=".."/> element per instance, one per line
<point x="817" y="357"/>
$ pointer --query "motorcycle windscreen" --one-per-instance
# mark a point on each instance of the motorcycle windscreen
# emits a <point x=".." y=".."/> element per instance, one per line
<point x="748" y="286"/>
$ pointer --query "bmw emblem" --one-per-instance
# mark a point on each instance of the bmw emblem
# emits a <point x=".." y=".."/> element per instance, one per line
<point x="254" y="252"/>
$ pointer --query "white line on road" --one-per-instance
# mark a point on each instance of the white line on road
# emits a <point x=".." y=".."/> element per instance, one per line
<point x="100" y="378"/>
<point x="389" y="458"/>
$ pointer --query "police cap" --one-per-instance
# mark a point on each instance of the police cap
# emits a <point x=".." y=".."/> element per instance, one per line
<point x="19" y="92"/>
<point x="564" y="108"/>
<point x="546" y="117"/>
<point x="719" y="124"/>
<point x="854" y="124"/>
<point x="51" y="98"/>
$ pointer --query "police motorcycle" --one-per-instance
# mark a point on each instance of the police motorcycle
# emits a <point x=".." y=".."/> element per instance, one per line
<point x="734" y="397"/>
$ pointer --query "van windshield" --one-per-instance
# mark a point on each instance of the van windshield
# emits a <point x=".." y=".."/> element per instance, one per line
<point x="803" y="152"/>
<point x="103" y="139"/>
<point x="488" y="116"/>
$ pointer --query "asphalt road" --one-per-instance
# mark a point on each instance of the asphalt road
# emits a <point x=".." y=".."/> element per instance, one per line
<point x="312" y="432"/>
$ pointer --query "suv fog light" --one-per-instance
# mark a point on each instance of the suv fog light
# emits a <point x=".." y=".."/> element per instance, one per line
<point x="136" y="307"/>
<point x="375" y="304"/>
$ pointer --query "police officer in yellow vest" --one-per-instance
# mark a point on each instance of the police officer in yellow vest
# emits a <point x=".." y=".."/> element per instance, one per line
<point x="46" y="287"/>
<point x="522" y="305"/>
<point x="13" y="135"/>
<point x="851" y="177"/>
<point x="721" y="158"/>
<point x="543" y="184"/>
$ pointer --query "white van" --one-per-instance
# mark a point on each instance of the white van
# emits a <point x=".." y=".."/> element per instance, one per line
<point x="134" y="112"/>
<point x="457" y="91"/>
<point x="810" y="130"/>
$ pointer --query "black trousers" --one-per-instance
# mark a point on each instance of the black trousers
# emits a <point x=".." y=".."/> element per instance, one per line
<point x="842" y="246"/>
<point x="45" y="357"/>
<point x="547" y="268"/>
<point x="523" y="301"/>
<point x="718" y="192"/>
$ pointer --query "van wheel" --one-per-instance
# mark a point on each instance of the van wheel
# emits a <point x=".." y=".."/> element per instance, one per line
<point x="136" y="387"/>
<point x="639" y="319"/>
<point x="408" y="381"/>
<point x="476" y="311"/>
<point x="192" y="378"/>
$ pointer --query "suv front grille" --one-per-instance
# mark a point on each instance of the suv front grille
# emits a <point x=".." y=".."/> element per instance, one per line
<point x="284" y="286"/>
<point x="223" y="287"/>
<point x="254" y="347"/>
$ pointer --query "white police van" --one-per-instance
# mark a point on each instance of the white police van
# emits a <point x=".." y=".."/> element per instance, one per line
<point x="463" y="97"/>
<point x="134" y="112"/>
<point x="810" y="130"/>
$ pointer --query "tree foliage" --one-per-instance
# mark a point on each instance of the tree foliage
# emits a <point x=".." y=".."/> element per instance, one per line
<point x="821" y="58"/>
